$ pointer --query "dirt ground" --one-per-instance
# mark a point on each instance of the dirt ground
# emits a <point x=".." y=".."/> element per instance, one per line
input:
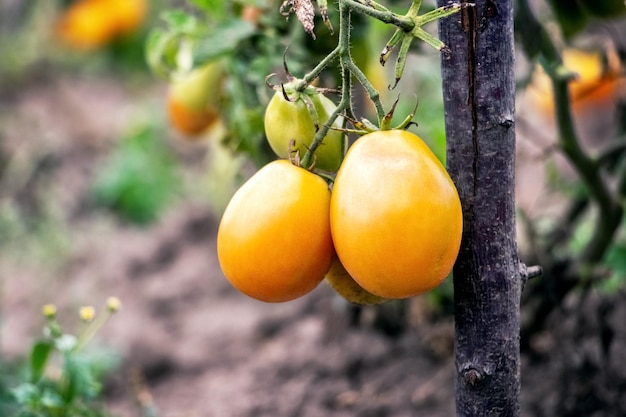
<point x="193" y="346"/>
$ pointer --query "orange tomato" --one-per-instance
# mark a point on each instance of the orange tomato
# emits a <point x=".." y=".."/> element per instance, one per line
<point x="129" y="14"/>
<point x="192" y="100"/>
<point x="599" y="80"/>
<point x="274" y="241"/>
<point x="395" y="215"/>
<point x="90" y="24"/>
<point x="190" y="122"/>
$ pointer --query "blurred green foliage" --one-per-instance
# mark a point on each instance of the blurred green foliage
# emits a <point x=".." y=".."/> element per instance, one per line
<point x="140" y="178"/>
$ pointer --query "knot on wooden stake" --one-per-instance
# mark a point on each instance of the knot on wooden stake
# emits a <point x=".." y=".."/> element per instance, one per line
<point x="507" y="122"/>
<point x="473" y="376"/>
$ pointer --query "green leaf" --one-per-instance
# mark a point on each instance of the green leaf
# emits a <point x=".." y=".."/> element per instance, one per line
<point x="80" y="381"/>
<point x="26" y="394"/>
<point x="223" y="39"/>
<point x="570" y="16"/>
<point x="51" y="399"/>
<point x="214" y="7"/>
<point x="160" y="52"/>
<point x="39" y="358"/>
<point x="616" y="258"/>
<point x="180" y="21"/>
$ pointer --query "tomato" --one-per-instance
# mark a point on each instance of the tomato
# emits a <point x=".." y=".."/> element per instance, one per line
<point x="395" y="215"/>
<point x="340" y="280"/>
<point x="130" y="14"/>
<point x="274" y="241"/>
<point x="598" y="80"/>
<point x="89" y="24"/>
<point x="286" y="120"/>
<point x="86" y="25"/>
<point x="193" y="100"/>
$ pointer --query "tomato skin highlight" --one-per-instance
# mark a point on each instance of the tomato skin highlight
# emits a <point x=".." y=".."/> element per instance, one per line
<point x="287" y="120"/>
<point x="274" y="242"/>
<point x="396" y="216"/>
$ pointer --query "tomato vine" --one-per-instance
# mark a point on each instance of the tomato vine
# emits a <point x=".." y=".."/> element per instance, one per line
<point x="409" y="27"/>
<point x="188" y="42"/>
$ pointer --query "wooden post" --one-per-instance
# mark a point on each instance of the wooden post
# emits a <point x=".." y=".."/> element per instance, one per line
<point x="479" y="99"/>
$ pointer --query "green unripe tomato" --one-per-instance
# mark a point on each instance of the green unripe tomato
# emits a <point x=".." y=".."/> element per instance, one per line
<point x="286" y="120"/>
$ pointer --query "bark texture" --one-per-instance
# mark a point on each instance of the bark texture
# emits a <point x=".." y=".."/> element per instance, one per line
<point x="479" y="99"/>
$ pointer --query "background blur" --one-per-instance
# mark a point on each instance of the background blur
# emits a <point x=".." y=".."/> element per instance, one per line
<point x="101" y="196"/>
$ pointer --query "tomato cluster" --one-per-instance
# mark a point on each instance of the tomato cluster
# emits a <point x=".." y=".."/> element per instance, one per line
<point x="390" y="228"/>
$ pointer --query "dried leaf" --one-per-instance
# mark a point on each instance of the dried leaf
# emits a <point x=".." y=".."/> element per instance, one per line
<point x="304" y="11"/>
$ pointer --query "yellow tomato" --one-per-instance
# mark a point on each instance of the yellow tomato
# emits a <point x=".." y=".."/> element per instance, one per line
<point x="274" y="241"/>
<point x="395" y="215"/>
<point x="340" y="280"/>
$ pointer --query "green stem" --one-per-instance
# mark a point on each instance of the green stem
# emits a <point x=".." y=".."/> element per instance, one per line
<point x="91" y="329"/>
<point x="343" y="50"/>
<point x="382" y="14"/>
<point x="315" y="72"/>
<point x="372" y="93"/>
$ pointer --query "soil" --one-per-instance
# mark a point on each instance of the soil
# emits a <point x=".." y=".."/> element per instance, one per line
<point x="191" y="345"/>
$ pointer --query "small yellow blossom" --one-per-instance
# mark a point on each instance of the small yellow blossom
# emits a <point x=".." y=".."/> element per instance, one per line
<point x="87" y="313"/>
<point x="113" y="304"/>
<point x="49" y="311"/>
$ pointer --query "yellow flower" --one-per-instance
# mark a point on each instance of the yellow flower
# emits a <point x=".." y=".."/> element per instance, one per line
<point x="113" y="304"/>
<point x="87" y="313"/>
<point x="49" y="311"/>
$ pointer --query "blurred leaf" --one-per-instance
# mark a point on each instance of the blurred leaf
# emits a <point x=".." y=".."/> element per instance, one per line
<point x="214" y="7"/>
<point x="140" y="178"/>
<point x="51" y="400"/>
<point x="605" y="9"/>
<point x="570" y="16"/>
<point x="26" y="394"/>
<point x="161" y="52"/>
<point x="79" y="380"/>
<point x="166" y="47"/>
<point x="39" y="358"/>
<point x="222" y="39"/>
<point x="616" y="258"/>
<point x="180" y="21"/>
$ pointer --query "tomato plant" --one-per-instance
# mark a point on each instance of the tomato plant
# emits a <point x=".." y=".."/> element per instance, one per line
<point x="274" y="241"/>
<point x="285" y="207"/>
<point x="396" y="216"/>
